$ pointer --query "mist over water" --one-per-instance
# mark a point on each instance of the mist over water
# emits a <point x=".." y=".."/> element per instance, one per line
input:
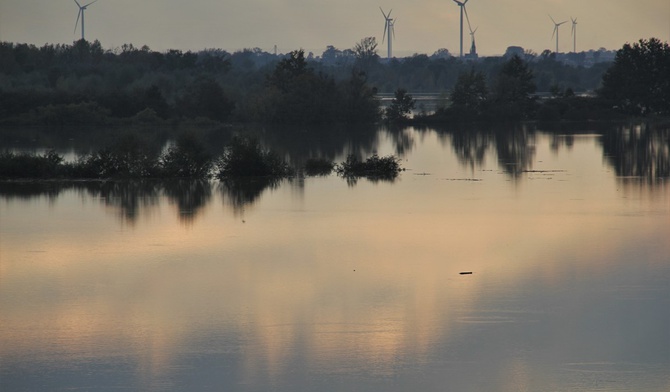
<point x="320" y="283"/>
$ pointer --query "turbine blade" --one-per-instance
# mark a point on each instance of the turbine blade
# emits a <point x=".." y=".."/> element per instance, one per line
<point x="77" y="22"/>
<point x="393" y="29"/>
<point x="90" y="3"/>
<point x="384" y="35"/>
<point x="554" y="32"/>
<point x="385" y="17"/>
<point x="467" y="18"/>
<point x="78" y="5"/>
<point x="465" y="2"/>
<point x="552" y="19"/>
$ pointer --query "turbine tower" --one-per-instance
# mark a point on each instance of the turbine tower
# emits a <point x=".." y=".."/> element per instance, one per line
<point x="462" y="5"/>
<point x="389" y="32"/>
<point x="556" y="30"/>
<point x="574" y="35"/>
<point x="82" y="8"/>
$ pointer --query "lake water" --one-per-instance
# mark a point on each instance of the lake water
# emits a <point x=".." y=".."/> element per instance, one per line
<point x="322" y="284"/>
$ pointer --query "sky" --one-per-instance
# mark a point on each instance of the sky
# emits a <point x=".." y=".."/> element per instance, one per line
<point x="422" y="26"/>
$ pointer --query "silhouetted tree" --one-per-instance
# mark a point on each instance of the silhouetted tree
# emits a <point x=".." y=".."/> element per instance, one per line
<point x="288" y="69"/>
<point x="470" y="93"/>
<point x="639" y="80"/>
<point x="205" y="98"/>
<point x="360" y="105"/>
<point x="401" y="106"/>
<point x="513" y="88"/>
<point x="366" y="53"/>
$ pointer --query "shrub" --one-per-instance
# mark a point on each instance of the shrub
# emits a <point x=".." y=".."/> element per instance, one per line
<point x="127" y="158"/>
<point x="246" y="158"/>
<point x="188" y="158"/>
<point x="30" y="166"/>
<point x="374" y="167"/>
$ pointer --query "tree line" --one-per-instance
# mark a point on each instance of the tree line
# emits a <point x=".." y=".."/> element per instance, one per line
<point x="83" y="83"/>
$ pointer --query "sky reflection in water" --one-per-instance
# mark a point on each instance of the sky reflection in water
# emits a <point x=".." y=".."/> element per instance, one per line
<point x="316" y="284"/>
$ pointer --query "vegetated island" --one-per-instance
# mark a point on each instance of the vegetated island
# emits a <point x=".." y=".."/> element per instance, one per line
<point x="188" y="158"/>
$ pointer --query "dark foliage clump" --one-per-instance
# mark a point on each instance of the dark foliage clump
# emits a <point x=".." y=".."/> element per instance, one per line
<point x="374" y="167"/>
<point x="187" y="158"/>
<point x="296" y="94"/>
<point x="129" y="157"/>
<point x="639" y="81"/>
<point x="14" y="166"/>
<point x="401" y="106"/>
<point x="247" y="158"/>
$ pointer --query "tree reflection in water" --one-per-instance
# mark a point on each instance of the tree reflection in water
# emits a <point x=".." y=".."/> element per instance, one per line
<point x="514" y="146"/>
<point x="128" y="198"/>
<point x="190" y="196"/>
<point x="245" y="191"/>
<point x="639" y="152"/>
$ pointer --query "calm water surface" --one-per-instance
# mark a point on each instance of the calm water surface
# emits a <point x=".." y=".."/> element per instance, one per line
<point x="323" y="284"/>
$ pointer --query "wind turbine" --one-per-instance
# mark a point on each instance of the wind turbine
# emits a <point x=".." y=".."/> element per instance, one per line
<point x="389" y="31"/>
<point x="462" y="5"/>
<point x="82" y="8"/>
<point x="574" y="35"/>
<point x="556" y="30"/>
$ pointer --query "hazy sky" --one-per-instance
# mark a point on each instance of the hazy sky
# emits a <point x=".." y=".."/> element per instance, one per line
<point x="422" y="26"/>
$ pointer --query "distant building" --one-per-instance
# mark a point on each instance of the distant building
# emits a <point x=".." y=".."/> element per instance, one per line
<point x="473" y="51"/>
<point x="441" y="53"/>
<point x="514" y="51"/>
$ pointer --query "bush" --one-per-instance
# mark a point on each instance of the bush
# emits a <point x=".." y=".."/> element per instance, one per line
<point x="374" y="167"/>
<point x="30" y="166"/>
<point x="246" y="158"/>
<point x="127" y="158"/>
<point x="187" y="158"/>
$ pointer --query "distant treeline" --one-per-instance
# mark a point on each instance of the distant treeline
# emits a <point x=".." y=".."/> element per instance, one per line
<point x="83" y="83"/>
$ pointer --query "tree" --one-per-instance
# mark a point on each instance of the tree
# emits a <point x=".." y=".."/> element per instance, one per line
<point x="639" y="80"/>
<point x="288" y="70"/>
<point x="366" y="52"/>
<point x="206" y="98"/>
<point x="470" y="93"/>
<point x="513" y="88"/>
<point x="360" y="105"/>
<point x="514" y="82"/>
<point x="366" y="48"/>
<point x="400" y="107"/>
